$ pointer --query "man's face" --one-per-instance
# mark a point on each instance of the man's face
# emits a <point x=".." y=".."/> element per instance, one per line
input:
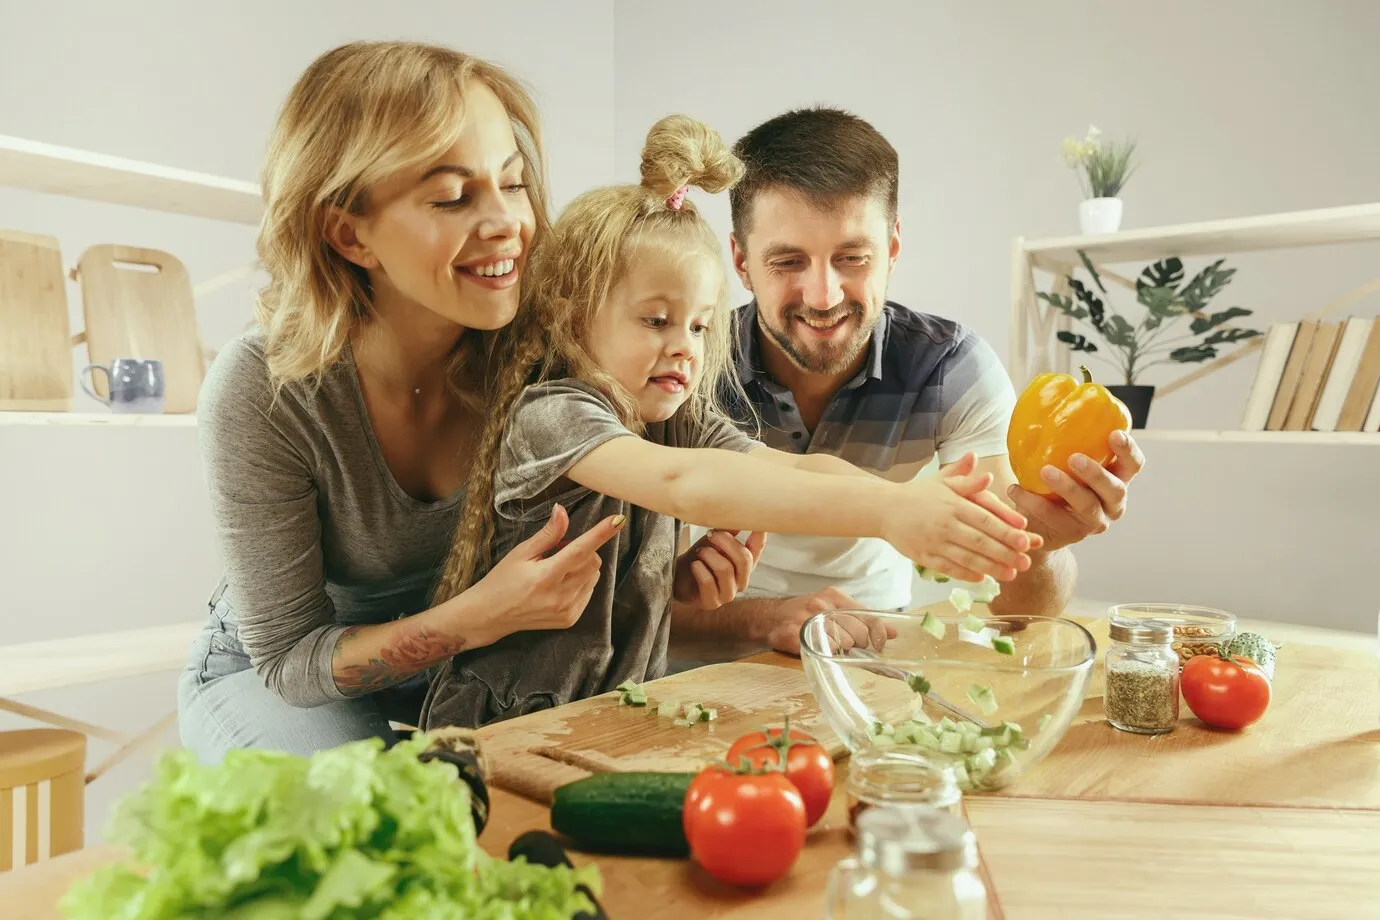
<point x="819" y="274"/>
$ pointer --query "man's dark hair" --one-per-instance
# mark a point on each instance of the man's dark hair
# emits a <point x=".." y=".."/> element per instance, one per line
<point x="823" y="153"/>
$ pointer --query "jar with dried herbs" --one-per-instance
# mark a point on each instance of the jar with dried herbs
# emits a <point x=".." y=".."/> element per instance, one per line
<point x="1142" y="674"/>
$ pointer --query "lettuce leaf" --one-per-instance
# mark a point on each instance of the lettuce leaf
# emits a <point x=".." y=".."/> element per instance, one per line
<point x="352" y="832"/>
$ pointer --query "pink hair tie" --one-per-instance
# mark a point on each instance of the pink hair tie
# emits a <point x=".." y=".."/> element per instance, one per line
<point x="677" y="198"/>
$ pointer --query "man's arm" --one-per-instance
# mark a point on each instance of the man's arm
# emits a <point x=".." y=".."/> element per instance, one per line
<point x="749" y="625"/>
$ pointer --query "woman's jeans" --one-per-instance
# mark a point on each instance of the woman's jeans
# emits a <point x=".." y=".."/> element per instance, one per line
<point x="222" y="703"/>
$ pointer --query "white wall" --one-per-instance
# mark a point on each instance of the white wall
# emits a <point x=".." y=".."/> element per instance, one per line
<point x="109" y="528"/>
<point x="1241" y="107"/>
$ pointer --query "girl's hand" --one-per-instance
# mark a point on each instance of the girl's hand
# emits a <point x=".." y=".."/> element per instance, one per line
<point x="713" y="571"/>
<point x="545" y="583"/>
<point x="952" y="524"/>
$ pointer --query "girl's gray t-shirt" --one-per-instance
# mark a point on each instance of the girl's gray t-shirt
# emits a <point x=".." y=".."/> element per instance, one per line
<point x="624" y="630"/>
<point x="315" y="533"/>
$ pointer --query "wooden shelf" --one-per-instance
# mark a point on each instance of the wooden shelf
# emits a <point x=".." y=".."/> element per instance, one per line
<point x="41" y="167"/>
<point x="95" y="419"/>
<point x="1208" y="436"/>
<point x="1350" y="224"/>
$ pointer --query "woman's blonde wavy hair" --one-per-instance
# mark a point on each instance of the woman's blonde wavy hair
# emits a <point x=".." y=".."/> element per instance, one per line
<point x="589" y="249"/>
<point x="358" y="114"/>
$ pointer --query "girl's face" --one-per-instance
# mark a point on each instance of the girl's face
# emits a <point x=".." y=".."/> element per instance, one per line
<point x="651" y="334"/>
<point x="450" y="237"/>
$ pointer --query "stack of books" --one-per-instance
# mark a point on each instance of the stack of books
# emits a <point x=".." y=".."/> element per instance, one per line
<point x="1317" y="375"/>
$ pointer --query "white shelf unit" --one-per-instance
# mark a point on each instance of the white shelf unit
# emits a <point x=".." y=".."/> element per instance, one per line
<point x="1034" y="348"/>
<point x="39" y="167"/>
<point x="55" y="170"/>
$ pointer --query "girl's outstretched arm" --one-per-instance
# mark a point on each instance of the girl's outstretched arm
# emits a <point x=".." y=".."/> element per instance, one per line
<point x="949" y="523"/>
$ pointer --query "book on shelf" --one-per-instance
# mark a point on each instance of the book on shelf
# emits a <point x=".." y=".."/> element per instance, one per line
<point x="1317" y="375"/>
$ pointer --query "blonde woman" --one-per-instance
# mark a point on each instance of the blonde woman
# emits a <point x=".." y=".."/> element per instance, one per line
<point x="403" y="190"/>
<point x="606" y="400"/>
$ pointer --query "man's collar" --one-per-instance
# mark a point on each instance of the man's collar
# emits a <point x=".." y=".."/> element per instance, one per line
<point x="751" y="366"/>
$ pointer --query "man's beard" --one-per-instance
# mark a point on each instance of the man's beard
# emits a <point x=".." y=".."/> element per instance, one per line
<point x="823" y="357"/>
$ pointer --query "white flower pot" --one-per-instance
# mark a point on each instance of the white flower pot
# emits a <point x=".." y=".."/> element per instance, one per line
<point x="1099" y="215"/>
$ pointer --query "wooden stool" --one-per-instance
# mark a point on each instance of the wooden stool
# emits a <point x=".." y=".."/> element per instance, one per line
<point x="42" y="794"/>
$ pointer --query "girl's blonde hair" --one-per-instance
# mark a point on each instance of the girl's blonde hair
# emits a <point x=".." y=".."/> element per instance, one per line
<point x="588" y="251"/>
<point x="359" y="114"/>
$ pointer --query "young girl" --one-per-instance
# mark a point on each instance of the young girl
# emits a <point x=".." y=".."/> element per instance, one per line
<point x="606" y="405"/>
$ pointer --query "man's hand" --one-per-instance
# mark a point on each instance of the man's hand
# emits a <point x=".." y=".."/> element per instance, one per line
<point x="792" y="612"/>
<point x="1085" y="503"/>
<point x="713" y="571"/>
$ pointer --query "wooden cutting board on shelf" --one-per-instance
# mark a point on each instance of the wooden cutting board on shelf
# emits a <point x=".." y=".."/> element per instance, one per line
<point x="534" y="754"/>
<point x="35" y="333"/>
<point x="139" y="304"/>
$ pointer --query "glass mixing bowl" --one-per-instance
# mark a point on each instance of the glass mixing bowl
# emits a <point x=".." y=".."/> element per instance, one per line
<point x="932" y="686"/>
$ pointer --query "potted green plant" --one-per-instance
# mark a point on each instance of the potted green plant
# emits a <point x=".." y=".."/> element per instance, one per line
<point x="1134" y="348"/>
<point x="1102" y="170"/>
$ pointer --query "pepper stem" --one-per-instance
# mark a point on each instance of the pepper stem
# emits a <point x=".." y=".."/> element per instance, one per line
<point x="1087" y="375"/>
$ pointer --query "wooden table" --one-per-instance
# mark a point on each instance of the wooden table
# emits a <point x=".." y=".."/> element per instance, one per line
<point x="1049" y="853"/>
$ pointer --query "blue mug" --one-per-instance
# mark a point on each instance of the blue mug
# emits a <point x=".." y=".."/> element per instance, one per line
<point x="134" y="384"/>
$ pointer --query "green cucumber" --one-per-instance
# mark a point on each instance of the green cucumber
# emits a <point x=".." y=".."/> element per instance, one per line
<point x="632" y="813"/>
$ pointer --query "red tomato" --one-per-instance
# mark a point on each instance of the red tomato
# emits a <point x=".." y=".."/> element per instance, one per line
<point x="744" y="828"/>
<point x="1225" y="694"/>
<point x="808" y="766"/>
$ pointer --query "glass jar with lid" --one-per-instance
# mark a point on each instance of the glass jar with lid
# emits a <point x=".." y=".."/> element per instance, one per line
<point x="1142" y="676"/>
<point x="909" y="863"/>
<point x="887" y="776"/>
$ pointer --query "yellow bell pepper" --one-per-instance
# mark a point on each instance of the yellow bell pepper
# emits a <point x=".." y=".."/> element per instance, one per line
<point x="1057" y="417"/>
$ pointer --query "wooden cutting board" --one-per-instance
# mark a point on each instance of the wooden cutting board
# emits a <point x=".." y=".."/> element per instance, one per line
<point x="1317" y="745"/>
<point x="139" y="304"/>
<point x="35" y="347"/>
<point x="534" y="754"/>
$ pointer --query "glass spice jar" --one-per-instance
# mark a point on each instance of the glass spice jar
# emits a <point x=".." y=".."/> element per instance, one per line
<point x="1142" y="677"/>
<point x="885" y="777"/>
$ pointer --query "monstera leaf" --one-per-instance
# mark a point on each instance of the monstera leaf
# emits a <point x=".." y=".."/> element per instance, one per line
<point x="1202" y="324"/>
<point x="1193" y="354"/>
<point x="1118" y="332"/>
<point x="1063" y="304"/>
<point x="1206" y="285"/>
<point x="1226" y="336"/>
<point x="1093" y="303"/>
<point x="1075" y="341"/>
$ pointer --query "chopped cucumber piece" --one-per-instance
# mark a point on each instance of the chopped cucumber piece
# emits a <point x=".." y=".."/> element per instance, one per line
<point x="668" y="708"/>
<point x="933" y="625"/>
<point x="692" y="712"/>
<point x="931" y="574"/>
<point x="973" y="624"/>
<point x="918" y="683"/>
<point x="1004" y="644"/>
<point x="951" y="743"/>
<point x="983" y="698"/>
<point x="883" y="741"/>
<point x="682" y="723"/>
<point x="961" y="599"/>
<point x="947" y="725"/>
<point x="1044" y="721"/>
<point x="983" y="743"/>
<point x="986" y="590"/>
<point x="708" y="715"/>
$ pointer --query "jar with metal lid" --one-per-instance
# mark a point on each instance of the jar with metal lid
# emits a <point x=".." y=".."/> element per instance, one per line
<point x="1142" y="677"/>
<point x="909" y="864"/>
<point x="886" y="776"/>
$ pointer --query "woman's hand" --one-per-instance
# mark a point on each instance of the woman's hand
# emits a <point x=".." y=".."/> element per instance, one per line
<point x="713" y="571"/>
<point x="544" y="583"/>
<point x="952" y="524"/>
